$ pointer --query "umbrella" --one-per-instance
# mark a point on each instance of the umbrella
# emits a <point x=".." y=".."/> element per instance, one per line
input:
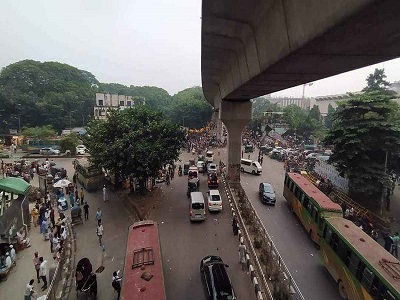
<point x="62" y="183"/>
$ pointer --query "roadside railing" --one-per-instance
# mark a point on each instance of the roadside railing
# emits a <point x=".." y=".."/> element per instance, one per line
<point x="273" y="278"/>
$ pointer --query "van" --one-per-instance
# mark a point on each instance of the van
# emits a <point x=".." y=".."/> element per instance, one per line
<point x="197" y="207"/>
<point x="209" y="156"/>
<point x="250" y="166"/>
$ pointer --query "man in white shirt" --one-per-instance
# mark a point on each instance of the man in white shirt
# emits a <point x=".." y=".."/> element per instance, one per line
<point x="105" y="198"/>
<point x="8" y="260"/>
<point x="13" y="255"/>
<point x="29" y="290"/>
<point x="43" y="272"/>
<point x="100" y="231"/>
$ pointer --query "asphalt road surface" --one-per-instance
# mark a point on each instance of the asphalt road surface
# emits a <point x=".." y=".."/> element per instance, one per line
<point x="184" y="244"/>
<point x="298" y="251"/>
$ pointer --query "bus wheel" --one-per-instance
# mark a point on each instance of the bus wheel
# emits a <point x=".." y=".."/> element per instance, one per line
<point x="241" y="169"/>
<point x="342" y="290"/>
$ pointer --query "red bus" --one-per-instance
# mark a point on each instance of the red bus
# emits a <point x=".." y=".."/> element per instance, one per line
<point x="310" y="205"/>
<point x="143" y="272"/>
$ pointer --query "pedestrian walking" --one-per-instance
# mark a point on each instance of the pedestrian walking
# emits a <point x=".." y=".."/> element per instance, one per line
<point x="261" y="160"/>
<point x="105" y="197"/>
<point x="235" y="226"/>
<point x="29" y="290"/>
<point x="13" y="255"/>
<point x="116" y="283"/>
<point x="388" y="241"/>
<point x="99" y="232"/>
<point x="36" y="264"/>
<point x="242" y="256"/>
<point x="43" y="272"/>
<point x="395" y="243"/>
<point x="82" y="195"/>
<point x="99" y="215"/>
<point x="86" y="211"/>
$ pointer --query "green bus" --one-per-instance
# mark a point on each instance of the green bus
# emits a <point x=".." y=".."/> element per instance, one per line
<point x="90" y="177"/>
<point x="362" y="268"/>
<point x="309" y="204"/>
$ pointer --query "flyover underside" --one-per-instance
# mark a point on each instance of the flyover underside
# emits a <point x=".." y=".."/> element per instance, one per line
<point x="239" y="63"/>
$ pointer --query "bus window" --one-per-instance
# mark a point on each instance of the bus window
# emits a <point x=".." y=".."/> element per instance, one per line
<point x="297" y="192"/>
<point x="327" y="234"/>
<point x="342" y="251"/>
<point x="291" y="186"/>
<point x="315" y="214"/>
<point x="286" y="180"/>
<point x="367" y="279"/>
<point x="301" y="199"/>
<point x="310" y="207"/>
<point x="305" y="201"/>
<point x="353" y="263"/>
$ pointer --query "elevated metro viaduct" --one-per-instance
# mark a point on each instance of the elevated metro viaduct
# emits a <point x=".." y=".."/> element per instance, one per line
<point x="251" y="48"/>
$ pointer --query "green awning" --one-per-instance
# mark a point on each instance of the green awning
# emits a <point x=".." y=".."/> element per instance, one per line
<point x="14" y="185"/>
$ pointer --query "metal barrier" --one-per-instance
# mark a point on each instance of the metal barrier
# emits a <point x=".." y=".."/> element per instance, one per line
<point x="260" y="276"/>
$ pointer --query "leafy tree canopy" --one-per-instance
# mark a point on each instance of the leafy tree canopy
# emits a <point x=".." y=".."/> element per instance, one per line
<point x="136" y="141"/>
<point x="39" y="133"/>
<point x="377" y="82"/>
<point x="69" y="142"/>
<point x="46" y="93"/>
<point x="329" y="117"/>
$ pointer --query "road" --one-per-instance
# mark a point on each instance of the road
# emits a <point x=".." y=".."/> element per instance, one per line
<point x="290" y="237"/>
<point x="184" y="243"/>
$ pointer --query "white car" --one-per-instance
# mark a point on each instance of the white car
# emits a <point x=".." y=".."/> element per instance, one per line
<point x="81" y="149"/>
<point x="49" y="151"/>
<point x="212" y="168"/>
<point x="214" y="200"/>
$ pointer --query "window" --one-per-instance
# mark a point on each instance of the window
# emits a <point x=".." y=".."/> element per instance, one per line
<point x="129" y="103"/>
<point x="315" y="214"/>
<point x="246" y="163"/>
<point x="354" y="261"/>
<point x="301" y="197"/>
<point x="122" y="103"/>
<point x="367" y="279"/>
<point x="286" y="180"/>
<point x="101" y="102"/>
<point x="198" y="205"/>
<point x="342" y="251"/>
<point x="291" y="186"/>
<point x="327" y="234"/>
<point x="310" y="207"/>
<point x="305" y="201"/>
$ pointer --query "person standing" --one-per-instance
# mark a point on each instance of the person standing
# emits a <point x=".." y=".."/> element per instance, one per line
<point x="82" y="195"/>
<point x="13" y="255"/>
<point x="105" y="198"/>
<point x="395" y="243"/>
<point x="242" y="256"/>
<point x="36" y="263"/>
<point x="116" y="283"/>
<point x="100" y="231"/>
<point x="235" y="226"/>
<point x="29" y="290"/>
<point x="43" y="272"/>
<point x="86" y="211"/>
<point x="99" y="215"/>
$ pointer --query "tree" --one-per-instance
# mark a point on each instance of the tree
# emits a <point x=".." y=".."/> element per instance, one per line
<point x="315" y="113"/>
<point x="362" y="133"/>
<point x="69" y="142"/>
<point x="136" y="141"/>
<point x="377" y="82"/>
<point x="39" y="133"/>
<point x="329" y="117"/>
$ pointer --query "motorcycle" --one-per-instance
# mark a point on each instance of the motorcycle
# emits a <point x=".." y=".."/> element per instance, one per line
<point x="180" y="171"/>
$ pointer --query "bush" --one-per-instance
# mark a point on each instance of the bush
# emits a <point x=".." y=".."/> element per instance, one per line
<point x="69" y="142"/>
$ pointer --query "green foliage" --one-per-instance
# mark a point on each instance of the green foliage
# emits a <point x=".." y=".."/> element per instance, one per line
<point x="376" y="81"/>
<point x="315" y="113"/>
<point x="329" y="117"/>
<point x="361" y="133"/>
<point x="69" y="142"/>
<point x="45" y="93"/>
<point x="136" y="141"/>
<point x="39" y="133"/>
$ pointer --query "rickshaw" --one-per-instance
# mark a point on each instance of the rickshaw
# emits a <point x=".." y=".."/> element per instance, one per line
<point x="86" y="280"/>
<point x="201" y="157"/>
<point x="249" y="148"/>
<point x="193" y="186"/>
<point x="76" y="215"/>
<point x="265" y="150"/>
<point x="186" y="166"/>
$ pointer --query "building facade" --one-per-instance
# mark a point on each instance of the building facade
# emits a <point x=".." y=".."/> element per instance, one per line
<point x="106" y="102"/>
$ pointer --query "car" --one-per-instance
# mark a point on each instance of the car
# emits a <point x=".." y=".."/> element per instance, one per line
<point x="214" y="200"/>
<point x="312" y="155"/>
<point x="212" y="180"/>
<point x="49" y="151"/>
<point x="81" y="149"/>
<point x="267" y="193"/>
<point x="214" y="276"/>
<point x="212" y="168"/>
<point x="200" y="166"/>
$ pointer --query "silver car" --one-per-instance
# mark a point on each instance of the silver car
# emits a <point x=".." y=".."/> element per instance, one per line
<point x="49" y="151"/>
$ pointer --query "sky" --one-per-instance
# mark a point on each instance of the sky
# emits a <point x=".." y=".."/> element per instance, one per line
<point x="132" y="42"/>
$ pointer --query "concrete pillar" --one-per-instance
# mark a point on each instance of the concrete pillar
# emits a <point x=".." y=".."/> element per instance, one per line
<point x="235" y="116"/>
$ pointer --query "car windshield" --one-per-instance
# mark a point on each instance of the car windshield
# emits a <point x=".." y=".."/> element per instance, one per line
<point x="268" y="188"/>
<point x="192" y="174"/>
<point x="198" y="205"/>
<point x="215" y="198"/>
<point x="209" y="154"/>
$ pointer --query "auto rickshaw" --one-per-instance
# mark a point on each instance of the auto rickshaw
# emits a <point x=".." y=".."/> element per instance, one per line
<point x="249" y="148"/>
<point x="193" y="186"/>
<point x="186" y="166"/>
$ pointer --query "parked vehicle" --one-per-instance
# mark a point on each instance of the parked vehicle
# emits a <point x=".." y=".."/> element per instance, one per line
<point x="200" y="166"/>
<point x="49" y="151"/>
<point x="80" y="149"/>
<point x="214" y="200"/>
<point x="209" y="156"/>
<point x="267" y="193"/>
<point x="216" y="287"/>
<point x="250" y="166"/>
<point x="186" y="166"/>
<point x="249" y="148"/>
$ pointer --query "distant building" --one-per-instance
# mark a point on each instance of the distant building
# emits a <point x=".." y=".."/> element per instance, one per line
<point x="105" y="102"/>
<point x="323" y="102"/>
<point x="286" y="101"/>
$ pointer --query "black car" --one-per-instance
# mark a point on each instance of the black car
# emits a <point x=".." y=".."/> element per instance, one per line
<point x="267" y="194"/>
<point x="213" y="180"/>
<point x="215" y="279"/>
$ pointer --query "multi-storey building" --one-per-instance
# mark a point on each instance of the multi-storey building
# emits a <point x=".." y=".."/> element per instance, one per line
<point x="105" y="102"/>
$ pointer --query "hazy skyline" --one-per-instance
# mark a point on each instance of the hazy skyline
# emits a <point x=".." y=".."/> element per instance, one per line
<point x="131" y="42"/>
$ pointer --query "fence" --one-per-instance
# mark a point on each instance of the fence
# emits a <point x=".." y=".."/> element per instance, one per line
<point x="269" y="274"/>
